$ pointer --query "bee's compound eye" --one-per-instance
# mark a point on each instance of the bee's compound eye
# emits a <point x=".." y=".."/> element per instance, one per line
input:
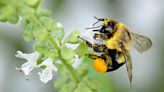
<point x="100" y="65"/>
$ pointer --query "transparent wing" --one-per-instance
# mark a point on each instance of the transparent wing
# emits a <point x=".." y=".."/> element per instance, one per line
<point x="141" y="43"/>
<point x="128" y="61"/>
<point x="129" y="66"/>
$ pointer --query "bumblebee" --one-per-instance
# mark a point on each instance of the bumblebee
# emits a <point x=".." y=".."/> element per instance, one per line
<point x="118" y="42"/>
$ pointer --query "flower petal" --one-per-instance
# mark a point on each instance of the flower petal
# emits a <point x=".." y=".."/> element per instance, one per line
<point x="46" y="75"/>
<point x="27" y="68"/>
<point x="31" y="62"/>
<point x="48" y="63"/>
<point x="77" y="62"/>
<point x="32" y="57"/>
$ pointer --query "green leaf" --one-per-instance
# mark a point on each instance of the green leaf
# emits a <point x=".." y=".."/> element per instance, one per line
<point x="48" y="23"/>
<point x="30" y="2"/>
<point x="82" y="87"/>
<point x="25" y="11"/>
<point x="8" y="13"/>
<point x="13" y="19"/>
<point x="67" y="53"/>
<point x="68" y="87"/>
<point x="27" y="35"/>
<point x="58" y="32"/>
<point x="53" y="53"/>
<point x="60" y="82"/>
<point x="43" y="12"/>
<point x="40" y="34"/>
<point x="41" y="47"/>
<point x="91" y="82"/>
<point x="81" y="49"/>
<point x="73" y="37"/>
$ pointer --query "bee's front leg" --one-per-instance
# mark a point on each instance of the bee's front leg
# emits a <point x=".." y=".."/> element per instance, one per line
<point x="100" y="36"/>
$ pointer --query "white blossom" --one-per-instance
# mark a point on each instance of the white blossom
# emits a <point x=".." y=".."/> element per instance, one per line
<point x="46" y="74"/>
<point x="77" y="62"/>
<point x="31" y="63"/>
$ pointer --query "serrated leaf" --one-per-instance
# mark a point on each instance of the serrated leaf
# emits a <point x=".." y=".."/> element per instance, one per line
<point x="67" y="53"/>
<point x="81" y="49"/>
<point x="73" y="37"/>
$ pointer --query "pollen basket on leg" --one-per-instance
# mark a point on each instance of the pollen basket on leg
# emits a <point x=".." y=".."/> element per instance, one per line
<point x="100" y="65"/>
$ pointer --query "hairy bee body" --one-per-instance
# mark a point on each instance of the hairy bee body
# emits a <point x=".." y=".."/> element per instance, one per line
<point x="118" y="42"/>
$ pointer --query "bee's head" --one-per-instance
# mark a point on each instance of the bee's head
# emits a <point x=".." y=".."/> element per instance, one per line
<point x="100" y="65"/>
<point x="106" y="22"/>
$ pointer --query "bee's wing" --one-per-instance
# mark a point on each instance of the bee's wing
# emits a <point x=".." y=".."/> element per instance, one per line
<point x="141" y="43"/>
<point x="128" y="61"/>
<point x="129" y="65"/>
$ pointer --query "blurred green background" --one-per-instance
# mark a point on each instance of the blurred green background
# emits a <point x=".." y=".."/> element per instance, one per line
<point x="141" y="16"/>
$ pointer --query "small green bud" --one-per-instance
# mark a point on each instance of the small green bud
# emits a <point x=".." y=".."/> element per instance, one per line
<point x="43" y="12"/>
<point x="58" y="32"/>
<point x="67" y="53"/>
<point x="41" y="47"/>
<point x="13" y="19"/>
<point x="53" y="53"/>
<point x="27" y="35"/>
<point x="47" y="22"/>
<point x="81" y="49"/>
<point x="73" y="37"/>
<point x="41" y="34"/>
<point x="30" y="2"/>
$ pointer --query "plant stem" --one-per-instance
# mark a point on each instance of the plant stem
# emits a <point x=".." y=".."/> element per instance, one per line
<point x="71" y="71"/>
<point x="54" y="43"/>
<point x="69" y="68"/>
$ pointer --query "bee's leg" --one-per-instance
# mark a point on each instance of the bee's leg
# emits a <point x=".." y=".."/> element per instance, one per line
<point x="100" y="48"/>
<point x="93" y="56"/>
<point x="87" y="42"/>
<point x="107" y="59"/>
<point x="100" y="36"/>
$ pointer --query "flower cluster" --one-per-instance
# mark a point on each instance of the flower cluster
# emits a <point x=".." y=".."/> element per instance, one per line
<point x="47" y="72"/>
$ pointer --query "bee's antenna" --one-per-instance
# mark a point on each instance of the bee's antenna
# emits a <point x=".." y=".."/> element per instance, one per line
<point x="99" y="19"/>
<point x="93" y="27"/>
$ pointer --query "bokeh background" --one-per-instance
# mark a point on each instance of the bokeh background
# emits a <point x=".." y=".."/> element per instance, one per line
<point x="141" y="16"/>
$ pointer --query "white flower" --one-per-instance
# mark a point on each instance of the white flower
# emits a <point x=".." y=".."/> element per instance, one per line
<point x="77" y="62"/>
<point x="46" y="74"/>
<point x="30" y="64"/>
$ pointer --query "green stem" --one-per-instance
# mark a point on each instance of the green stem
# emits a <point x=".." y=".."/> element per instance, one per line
<point x="71" y="71"/>
<point x="54" y="43"/>
<point x="69" y="68"/>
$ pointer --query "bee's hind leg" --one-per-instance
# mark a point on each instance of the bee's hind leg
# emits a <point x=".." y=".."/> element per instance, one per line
<point x="93" y="56"/>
